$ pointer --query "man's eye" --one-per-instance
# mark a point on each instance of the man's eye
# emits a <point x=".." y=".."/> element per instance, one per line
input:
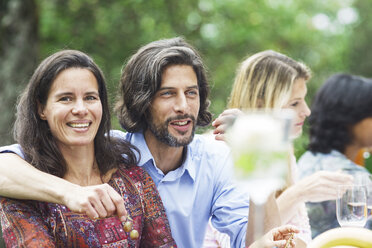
<point x="166" y="93"/>
<point x="193" y="92"/>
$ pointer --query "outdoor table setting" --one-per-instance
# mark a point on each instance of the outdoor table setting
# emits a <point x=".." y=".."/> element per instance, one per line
<point x="353" y="210"/>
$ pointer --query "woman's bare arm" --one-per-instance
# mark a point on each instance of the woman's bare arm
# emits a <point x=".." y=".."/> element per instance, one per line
<point x="320" y="186"/>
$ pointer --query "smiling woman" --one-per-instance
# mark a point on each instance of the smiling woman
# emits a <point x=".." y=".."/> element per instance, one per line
<point x="73" y="113"/>
<point x="63" y="123"/>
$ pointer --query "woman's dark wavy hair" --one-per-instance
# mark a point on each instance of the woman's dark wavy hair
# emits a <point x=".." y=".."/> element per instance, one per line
<point x="343" y="101"/>
<point x="33" y="133"/>
<point x="141" y="79"/>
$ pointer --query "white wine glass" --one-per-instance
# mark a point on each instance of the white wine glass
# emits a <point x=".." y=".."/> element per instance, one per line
<point x="260" y="146"/>
<point x="351" y="205"/>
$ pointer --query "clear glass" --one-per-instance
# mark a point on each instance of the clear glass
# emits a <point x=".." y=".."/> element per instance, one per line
<point x="260" y="146"/>
<point x="351" y="205"/>
<point x="369" y="198"/>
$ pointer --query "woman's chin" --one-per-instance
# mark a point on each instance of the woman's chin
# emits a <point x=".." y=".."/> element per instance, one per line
<point x="295" y="135"/>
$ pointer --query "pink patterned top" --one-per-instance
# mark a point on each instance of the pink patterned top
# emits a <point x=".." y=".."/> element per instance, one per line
<point x="41" y="224"/>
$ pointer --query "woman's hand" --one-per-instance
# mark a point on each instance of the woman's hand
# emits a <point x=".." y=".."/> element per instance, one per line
<point x="318" y="187"/>
<point x="321" y="186"/>
<point x="97" y="201"/>
<point x="224" y="121"/>
<point x="281" y="237"/>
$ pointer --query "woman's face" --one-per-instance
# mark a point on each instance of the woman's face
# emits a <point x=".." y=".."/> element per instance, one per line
<point x="73" y="109"/>
<point x="298" y="104"/>
<point x="362" y="133"/>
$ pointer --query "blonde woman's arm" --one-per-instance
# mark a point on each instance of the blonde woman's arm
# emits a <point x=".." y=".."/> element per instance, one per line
<point x="320" y="186"/>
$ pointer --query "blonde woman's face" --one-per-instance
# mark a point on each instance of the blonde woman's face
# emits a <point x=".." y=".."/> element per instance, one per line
<point x="298" y="104"/>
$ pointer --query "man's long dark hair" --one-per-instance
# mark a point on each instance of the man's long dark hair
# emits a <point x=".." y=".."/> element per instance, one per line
<point x="342" y="101"/>
<point x="33" y="133"/>
<point x="141" y="79"/>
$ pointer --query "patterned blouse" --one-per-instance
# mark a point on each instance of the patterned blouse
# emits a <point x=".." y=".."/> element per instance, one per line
<point x="41" y="224"/>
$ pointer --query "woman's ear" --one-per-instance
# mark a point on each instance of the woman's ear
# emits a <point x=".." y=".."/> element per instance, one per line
<point x="260" y="103"/>
<point x="40" y="111"/>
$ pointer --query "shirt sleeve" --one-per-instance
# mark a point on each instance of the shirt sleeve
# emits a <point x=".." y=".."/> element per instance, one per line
<point x="23" y="225"/>
<point x="231" y="204"/>
<point x="156" y="231"/>
<point x="15" y="148"/>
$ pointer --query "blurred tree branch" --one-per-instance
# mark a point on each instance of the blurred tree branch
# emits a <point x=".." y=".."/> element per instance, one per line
<point x="18" y="55"/>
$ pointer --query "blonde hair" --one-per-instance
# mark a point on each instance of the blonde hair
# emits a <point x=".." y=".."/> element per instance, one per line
<point x="265" y="80"/>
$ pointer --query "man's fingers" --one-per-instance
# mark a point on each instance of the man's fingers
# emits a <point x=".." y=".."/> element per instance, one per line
<point x="118" y="203"/>
<point x="108" y="204"/>
<point x="98" y="206"/>
<point x="90" y="211"/>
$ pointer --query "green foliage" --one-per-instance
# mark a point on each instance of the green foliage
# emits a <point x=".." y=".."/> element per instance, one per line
<point x="368" y="160"/>
<point x="225" y="32"/>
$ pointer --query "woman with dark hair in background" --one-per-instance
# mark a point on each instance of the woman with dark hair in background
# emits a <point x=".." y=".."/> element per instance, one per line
<point x="62" y="126"/>
<point x="340" y="125"/>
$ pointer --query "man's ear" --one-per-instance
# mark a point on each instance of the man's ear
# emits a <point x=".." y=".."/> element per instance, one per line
<point x="40" y="111"/>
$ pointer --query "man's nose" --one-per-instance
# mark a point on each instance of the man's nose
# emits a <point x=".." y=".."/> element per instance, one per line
<point x="180" y="104"/>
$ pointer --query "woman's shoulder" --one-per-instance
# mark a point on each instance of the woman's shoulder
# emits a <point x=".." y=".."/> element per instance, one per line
<point x="133" y="173"/>
<point x="332" y="161"/>
<point x="311" y="162"/>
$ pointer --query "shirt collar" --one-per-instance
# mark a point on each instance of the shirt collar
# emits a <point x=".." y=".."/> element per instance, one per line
<point x="138" y="140"/>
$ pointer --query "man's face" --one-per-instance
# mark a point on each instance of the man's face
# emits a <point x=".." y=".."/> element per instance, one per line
<point x="175" y="107"/>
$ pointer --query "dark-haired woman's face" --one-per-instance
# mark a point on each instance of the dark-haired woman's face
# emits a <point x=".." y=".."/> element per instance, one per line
<point x="73" y="109"/>
<point x="362" y="133"/>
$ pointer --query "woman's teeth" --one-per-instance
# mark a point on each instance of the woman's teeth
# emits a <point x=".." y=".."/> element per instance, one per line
<point x="78" y="125"/>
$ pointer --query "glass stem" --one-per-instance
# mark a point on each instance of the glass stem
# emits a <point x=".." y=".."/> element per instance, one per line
<point x="259" y="221"/>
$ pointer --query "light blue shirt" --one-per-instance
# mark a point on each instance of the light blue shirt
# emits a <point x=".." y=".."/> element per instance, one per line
<point x="200" y="188"/>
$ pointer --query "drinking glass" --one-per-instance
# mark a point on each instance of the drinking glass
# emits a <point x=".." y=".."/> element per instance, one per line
<point x="260" y="146"/>
<point x="369" y="198"/>
<point x="351" y="205"/>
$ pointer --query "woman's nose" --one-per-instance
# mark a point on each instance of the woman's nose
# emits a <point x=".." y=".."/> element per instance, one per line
<point x="79" y="108"/>
<point x="306" y="110"/>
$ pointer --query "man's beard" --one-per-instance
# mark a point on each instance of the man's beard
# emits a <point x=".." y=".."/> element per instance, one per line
<point x="162" y="134"/>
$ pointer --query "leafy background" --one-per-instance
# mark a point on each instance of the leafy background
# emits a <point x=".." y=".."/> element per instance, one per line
<point x="329" y="36"/>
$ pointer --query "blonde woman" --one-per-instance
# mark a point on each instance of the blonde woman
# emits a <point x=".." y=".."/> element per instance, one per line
<point x="269" y="80"/>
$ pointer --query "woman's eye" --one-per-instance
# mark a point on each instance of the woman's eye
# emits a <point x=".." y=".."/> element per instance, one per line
<point x="65" y="99"/>
<point x="294" y="104"/>
<point x="91" y="98"/>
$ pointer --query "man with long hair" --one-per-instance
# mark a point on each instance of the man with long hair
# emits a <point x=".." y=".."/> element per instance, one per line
<point x="163" y="97"/>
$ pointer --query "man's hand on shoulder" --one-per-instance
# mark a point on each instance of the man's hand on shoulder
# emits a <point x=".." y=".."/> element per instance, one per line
<point x="97" y="201"/>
